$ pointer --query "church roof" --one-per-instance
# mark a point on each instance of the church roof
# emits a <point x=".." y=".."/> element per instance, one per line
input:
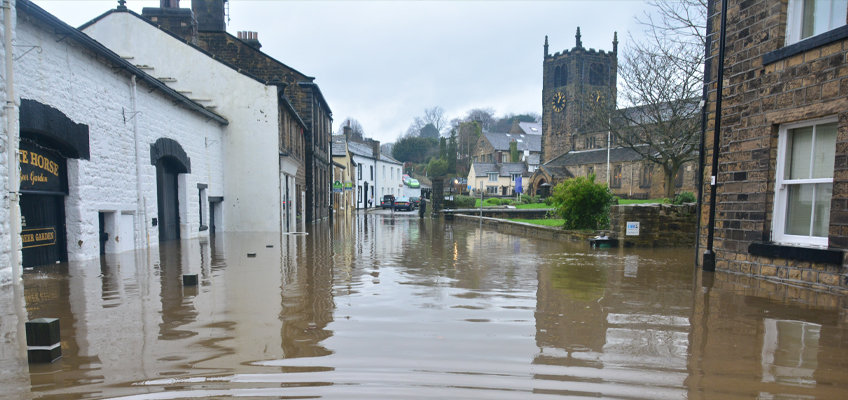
<point x="500" y="141"/>
<point x="595" y="156"/>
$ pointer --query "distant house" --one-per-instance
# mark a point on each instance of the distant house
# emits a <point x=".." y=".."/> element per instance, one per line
<point x="377" y="174"/>
<point x="497" y="179"/>
<point x="343" y="170"/>
<point x="531" y="128"/>
<point x="493" y="147"/>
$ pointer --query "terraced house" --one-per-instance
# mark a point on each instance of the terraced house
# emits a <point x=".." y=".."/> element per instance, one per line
<point x="780" y="209"/>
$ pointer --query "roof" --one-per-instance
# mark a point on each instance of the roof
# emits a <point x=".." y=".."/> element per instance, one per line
<point x="339" y="146"/>
<point x="360" y="149"/>
<point x="500" y="141"/>
<point x="533" y="159"/>
<point x="62" y="28"/>
<point x="595" y="156"/>
<point x="503" y="169"/>
<point x="531" y="128"/>
<point x="386" y="158"/>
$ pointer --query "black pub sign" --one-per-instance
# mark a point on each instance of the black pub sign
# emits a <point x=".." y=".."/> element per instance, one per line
<point x="42" y="170"/>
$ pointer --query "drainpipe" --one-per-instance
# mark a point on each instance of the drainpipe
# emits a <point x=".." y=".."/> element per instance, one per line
<point x="12" y="146"/>
<point x="701" y="146"/>
<point x="709" y="254"/>
<point x="141" y="210"/>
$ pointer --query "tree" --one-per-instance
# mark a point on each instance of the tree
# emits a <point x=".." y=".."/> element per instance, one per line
<point x="415" y="149"/>
<point x="504" y="123"/>
<point x="486" y="116"/>
<point x="660" y="82"/>
<point x="452" y="152"/>
<point x="429" y="131"/>
<point x="437" y="117"/>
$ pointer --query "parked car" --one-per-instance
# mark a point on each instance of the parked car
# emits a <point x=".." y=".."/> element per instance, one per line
<point x="386" y="201"/>
<point x="415" y="201"/>
<point x="403" y="203"/>
<point x="411" y="182"/>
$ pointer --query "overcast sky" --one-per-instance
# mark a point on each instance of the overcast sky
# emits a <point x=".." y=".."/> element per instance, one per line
<point x="384" y="62"/>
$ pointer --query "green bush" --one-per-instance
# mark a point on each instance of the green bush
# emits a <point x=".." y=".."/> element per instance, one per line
<point x="537" y="199"/>
<point x="549" y="201"/>
<point x="464" y="201"/>
<point x="684" y="197"/>
<point x="526" y="199"/>
<point x="582" y="203"/>
<point x="516" y="203"/>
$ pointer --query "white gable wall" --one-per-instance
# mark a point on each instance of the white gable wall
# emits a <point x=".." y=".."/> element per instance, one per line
<point x="250" y="142"/>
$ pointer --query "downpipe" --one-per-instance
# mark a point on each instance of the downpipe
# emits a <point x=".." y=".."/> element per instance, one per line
<point x="141" y="208"/>
<point x="709" y="255"/>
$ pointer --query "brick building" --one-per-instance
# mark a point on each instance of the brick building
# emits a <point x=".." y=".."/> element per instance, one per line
<point x="298" y="89"/>
<point x="781" y="186"/>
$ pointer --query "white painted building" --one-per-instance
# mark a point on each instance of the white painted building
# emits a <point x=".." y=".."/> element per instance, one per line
<point x="252" y="171"/>
<point x="377" y="174"/>
<point x="100" y="141"/>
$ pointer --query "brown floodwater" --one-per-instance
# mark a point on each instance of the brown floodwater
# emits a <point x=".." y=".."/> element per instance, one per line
<point x="381" y="307"/>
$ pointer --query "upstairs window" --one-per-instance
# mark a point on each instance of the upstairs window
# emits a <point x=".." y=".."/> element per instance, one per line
<point x="807" y="18"/>
<point x="804" y="182"/>
<point x="493" y="176"/>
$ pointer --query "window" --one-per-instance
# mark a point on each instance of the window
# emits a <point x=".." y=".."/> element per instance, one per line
<point x="590" y="171"/>
<point x="493" y="176"/>
<point x="807" y="18"/>
<point x="491" y="190"/>
<point x="372" y="172"/>
<point x="513" y="177"/>
<point x="646" y="175"/>
<point x="616" y="177"/>
<point x="384" y="172"/>
<point x="804" y="182"/>
<point x="505" y="157"/>
<point x="359" y="169"/>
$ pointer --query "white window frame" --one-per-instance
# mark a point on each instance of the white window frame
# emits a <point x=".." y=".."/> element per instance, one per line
<point x="781" y="192"/>
<point x="795" y="20"/>
<point x="491" y="174"/>
<point x="512" y="177"/>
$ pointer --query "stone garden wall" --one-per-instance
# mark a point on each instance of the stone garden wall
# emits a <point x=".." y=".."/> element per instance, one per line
<point x="660" y="225"/>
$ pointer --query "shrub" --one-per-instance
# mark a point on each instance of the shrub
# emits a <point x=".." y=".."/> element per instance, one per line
<point x="582" y="203"/>
<point x="526" y="199"/>
<point x="516" y="203"/>
<point x="684" y="197"/>
<point x="549" y="201"/>
<point x="464" y="201"/>
<point x="537" y="199"/>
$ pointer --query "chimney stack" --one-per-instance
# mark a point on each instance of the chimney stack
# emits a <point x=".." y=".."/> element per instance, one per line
<point x="169" y="3"/>
<point x="210" y="15"/>
<point x="347" y="132"/>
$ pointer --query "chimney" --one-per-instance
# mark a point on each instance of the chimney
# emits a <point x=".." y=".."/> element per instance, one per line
<point x="250" y="38"/>
<point x="347" y="132"/>
<point x="169" y="16"/>
<point x="210" y="15"/>
<point x="375" y="147"/>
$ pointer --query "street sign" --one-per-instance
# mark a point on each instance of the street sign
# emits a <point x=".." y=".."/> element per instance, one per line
<point x="632" y="229"/>
<point x="337" y="187"/>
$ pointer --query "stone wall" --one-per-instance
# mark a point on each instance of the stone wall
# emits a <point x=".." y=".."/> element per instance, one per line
<point x="660" y="225"/>
<point x="525" y="229"/>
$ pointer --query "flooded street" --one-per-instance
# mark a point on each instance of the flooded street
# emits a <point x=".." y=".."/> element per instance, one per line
<point x="382" y="307"/>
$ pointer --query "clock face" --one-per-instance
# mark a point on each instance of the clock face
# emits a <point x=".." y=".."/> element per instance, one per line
<point x="598" y="96"/>
<point x="558" y="102"/>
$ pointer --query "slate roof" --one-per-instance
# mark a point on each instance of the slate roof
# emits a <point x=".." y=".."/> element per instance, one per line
<point x="387" y="158"/>
<point x="500" y="141"/>
<point x="364" y="150"/>
<point x="533" y="159"/>
<point x="505" y="169"/>
<point x="531" y="128"/>
<point x="595" y="156"/>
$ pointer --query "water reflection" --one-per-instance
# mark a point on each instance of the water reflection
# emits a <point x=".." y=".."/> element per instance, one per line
<point x="399" y="307"/>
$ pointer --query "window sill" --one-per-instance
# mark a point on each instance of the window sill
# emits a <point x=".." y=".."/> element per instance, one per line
<point x="806" y="45"/>
<point x="810" y="254"/>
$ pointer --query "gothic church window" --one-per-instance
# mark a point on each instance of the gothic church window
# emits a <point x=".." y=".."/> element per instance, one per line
<point x="563" y="76"/>
<point x="556" y="76"/>
<point x="646" y="175"/>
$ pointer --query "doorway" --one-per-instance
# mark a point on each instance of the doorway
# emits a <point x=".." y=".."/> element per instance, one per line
<point x="167" y="190"/>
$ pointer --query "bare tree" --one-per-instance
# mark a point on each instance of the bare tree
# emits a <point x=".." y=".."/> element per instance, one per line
<point x="486" y="116"/>
<point x="436" y="116"/>
<point x="355" y="127"/>
<point x="660" y="83"/>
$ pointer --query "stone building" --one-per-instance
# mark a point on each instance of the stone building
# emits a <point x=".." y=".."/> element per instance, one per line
<point x="343" y="170"/>
<point x="111" y="158"/>
<point x="497" y="179"/>
<point x="495" y="147"/>
<point x="781" y="186"/>
<point x="572" y="145"/>
<point x="243" y="52"/>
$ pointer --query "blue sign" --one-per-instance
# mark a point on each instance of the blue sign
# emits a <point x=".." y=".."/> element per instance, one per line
<point x="518" y="188"/>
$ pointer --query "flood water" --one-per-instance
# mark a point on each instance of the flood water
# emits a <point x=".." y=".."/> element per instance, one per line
<point x="381" y="307"/>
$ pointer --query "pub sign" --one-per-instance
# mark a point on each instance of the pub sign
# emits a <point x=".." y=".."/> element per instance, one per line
<point x="42" y="170"/>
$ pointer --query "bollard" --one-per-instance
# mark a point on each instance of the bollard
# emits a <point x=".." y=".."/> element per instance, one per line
<point x="43" y="341"/>
<point x="190" y="280"/>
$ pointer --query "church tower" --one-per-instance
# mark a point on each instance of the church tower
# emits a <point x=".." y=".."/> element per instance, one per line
<point x="570" y="81"/>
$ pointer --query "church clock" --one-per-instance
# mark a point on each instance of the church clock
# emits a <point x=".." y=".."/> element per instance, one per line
<point x="558" y="102"/>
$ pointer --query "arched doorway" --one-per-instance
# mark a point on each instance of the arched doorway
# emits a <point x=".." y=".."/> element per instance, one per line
<point x="170" y="160"/>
